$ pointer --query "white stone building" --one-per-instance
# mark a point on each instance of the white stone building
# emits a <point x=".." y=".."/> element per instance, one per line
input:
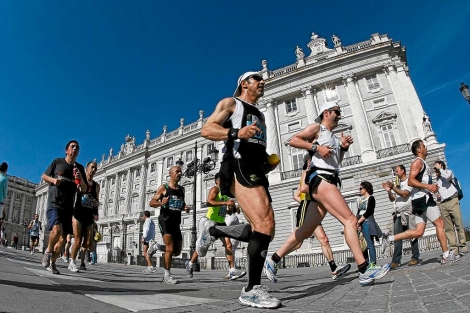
<point x="380" y="108"/>
<point x="20" y="207"/>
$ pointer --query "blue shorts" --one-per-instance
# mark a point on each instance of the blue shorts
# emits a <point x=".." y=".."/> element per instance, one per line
<point x="59" y="217"/>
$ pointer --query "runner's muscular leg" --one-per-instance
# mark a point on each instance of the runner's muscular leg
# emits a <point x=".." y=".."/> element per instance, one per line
<point x="333" y="202"/>
<point x="256" y="207"/>
<point x="313" y="217"/>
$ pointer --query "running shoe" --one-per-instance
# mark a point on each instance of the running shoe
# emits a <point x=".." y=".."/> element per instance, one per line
<point x="236" y="274"/>
<point x="340" y="271"/>
<point x="150" y="269"/>
<point x="53" y="269"/>
<point x="463" y="253"/>
<point x="168" y="279"/>
<point x="259" y="297"/>
<point x="73" y="267"/>
<point x="189" y="269"/>
<point x="65" y="259"/>
<point x="373" y="273"/>
<point x="82" y="267"/>
<point x="46" y="259"/>
<point x="270" y="269"/>
<point x="385" y="242"/>
<point x="204" y="239"/>
<point x="451" y="258"/>
<point x="153" y="247"/>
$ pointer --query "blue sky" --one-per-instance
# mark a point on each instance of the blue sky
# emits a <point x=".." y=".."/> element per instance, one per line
<point x="98" y="70"/>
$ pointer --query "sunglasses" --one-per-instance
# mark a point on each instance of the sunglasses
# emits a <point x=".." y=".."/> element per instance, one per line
<point x="338" y="112"/>
<point x="255" y="77"/>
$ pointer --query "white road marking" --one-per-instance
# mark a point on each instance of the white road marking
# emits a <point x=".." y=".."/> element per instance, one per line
<point x="135" y="302"/>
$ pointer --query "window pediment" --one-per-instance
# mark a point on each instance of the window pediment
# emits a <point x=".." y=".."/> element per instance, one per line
<point x="384" y="117"/>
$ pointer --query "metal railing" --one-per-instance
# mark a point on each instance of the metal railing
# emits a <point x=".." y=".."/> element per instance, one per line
<point x="291" y="174"/>
<point x="356" y="159"/>
<point x="393" y="151"/>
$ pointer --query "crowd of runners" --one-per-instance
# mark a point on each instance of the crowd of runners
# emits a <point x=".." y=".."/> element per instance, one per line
<point x="242" y="183"/>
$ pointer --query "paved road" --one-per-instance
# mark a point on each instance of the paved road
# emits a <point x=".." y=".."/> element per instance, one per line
<point x="25" y="286"/>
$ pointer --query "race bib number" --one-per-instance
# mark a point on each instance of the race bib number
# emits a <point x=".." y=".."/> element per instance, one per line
<point x="259" y="138"/>
<point x="223" y="210"/>
<point x="87" y="201"/>
<point x="175" y="204"/>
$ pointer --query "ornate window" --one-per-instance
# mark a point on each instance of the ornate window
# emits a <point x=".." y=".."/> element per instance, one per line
<point x="137" y="173"/>
<point x="386" y="124"/>
<point x="373" y="83"/>
<point x="113" y="181"/>
<point x="388" y="135"/>
<point x="124" y="177"/>
<point x="153" y="167"/>
<point x="297" y="158"/>
<point x="291" y="106"/>
<point x="210" y="147"/>
<point x="189" y="155"/>
<point x="169" y="162"/>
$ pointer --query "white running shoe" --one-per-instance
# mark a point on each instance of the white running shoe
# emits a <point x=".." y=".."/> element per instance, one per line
<point x="373" y="273"/>
<point x="189" y="269"/>
<point x="259" y="297"/>
<point x="204" y="239"/>
<point x="168" y="279"/>
<point x="236" y="274"/>
<point x="153" y="247"/>
<point x="270" y="269"/>
<point x="150" y="269"/>
<point x="340" y="271"/>
<point x="73" y="267"/>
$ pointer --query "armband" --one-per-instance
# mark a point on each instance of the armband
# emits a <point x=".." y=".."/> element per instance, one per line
<point x="233" y="133"/>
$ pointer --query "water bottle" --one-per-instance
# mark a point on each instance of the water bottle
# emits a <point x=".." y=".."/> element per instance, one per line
<point x="75" y="171"/>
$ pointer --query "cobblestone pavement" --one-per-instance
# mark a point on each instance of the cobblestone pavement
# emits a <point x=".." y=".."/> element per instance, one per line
<point x="428" y="287"/>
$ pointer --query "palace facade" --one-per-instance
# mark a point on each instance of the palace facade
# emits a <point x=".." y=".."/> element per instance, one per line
<point x="380" y="109"/>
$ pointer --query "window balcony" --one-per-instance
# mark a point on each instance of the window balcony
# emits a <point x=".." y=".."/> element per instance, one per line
<point x="404" y="148"/>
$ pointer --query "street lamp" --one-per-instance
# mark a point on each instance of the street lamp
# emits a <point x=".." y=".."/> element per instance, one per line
<point x="465" y="92"/>
<point x="194" y="167"/>
<point x="25" y="225"/>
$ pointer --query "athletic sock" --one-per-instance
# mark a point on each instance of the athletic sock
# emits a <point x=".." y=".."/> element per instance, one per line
<point x="445" y="254"/>
<point x="232" y="269"/>
<point x="333" y="265"/>
<point x="257" y="249"/>
<point x="276" y="258"/>
<point x="167" y="272"/>
<point x="240" y="232"/>
<point x="391" y="238"/>
<point x="362" y="267"/>
<point x="190" y="264"/>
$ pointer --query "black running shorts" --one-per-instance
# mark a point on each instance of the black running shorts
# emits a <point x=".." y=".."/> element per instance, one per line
<point x="248" y="174"/>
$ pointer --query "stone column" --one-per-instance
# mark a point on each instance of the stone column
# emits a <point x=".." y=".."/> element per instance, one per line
<point x="117" y="193"/>
<point x="10" y="209"/>
<point x="360" y="120"/>
<point x="309" y="104"/>
<point x="272" y="144"/>
<point x="143" y="185"/>
<point x="23" y="203"/>
<point x="129" y="188"/>
<point x="159" y="172"/>
<point x="409" y="90"/>
<point x="271" y="129"/>
<point x="105" y="196"/>
<point x="404" y="108"/>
